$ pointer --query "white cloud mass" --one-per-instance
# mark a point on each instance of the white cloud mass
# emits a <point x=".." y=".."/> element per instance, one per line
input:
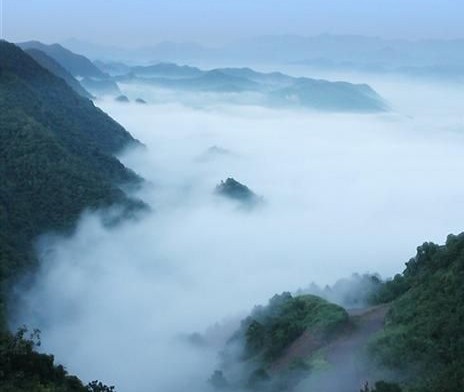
<point x="343" y="193"/>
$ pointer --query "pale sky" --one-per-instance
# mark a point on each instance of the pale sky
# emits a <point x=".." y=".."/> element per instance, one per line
<point x="213" y="22"/>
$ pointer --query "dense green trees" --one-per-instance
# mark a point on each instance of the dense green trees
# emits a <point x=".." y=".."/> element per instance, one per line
<point x="382" y="386"/>
<point x="424" y="334"/>
<point x="271" y="329"/>
<point x="22" y="369"/>
<point x="56" y="159"/>
<point x="264" y="336"/>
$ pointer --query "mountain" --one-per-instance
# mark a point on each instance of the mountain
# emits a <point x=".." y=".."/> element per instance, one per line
<point x="270" y="89"/>
<point x="101" y="87"/>
<point x="273" y="78"/>
<point x="165" y="51"/>
<point x="77" y="65"/>
<point x="253" y="355"/>
<point x="90" y="76"/>
<point x="56" y="157"/>
<point x="234" y="190"/>
<point x="324" y="95"/>
<point x="407" y="330"/>
<point x="423" y="337"/>
<point x="113" y="68"/>
<point x="438" y="59"/>
<point x="56" y="69"/>
<point x="167" y="70"/>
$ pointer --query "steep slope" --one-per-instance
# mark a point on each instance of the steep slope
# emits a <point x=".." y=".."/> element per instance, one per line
<point x="261" y="354"/>
<point x="343" y="364"/>
<point x="424" y="335"/>
<point x="56" y="69"/>
<point x="74" y="63"/>
<point x="56" y="158"/>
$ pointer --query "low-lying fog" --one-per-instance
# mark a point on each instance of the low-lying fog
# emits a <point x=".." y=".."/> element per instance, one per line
<point x="343" y="193"/>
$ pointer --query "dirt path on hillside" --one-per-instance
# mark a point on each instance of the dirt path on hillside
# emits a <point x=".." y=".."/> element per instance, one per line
<point x="346" y="367"/>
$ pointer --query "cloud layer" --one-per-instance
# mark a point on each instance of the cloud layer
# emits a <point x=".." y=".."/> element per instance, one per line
<point x="343" y="194"/>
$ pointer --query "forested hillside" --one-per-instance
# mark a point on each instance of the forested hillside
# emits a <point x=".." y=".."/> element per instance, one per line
<point x="76" y="64"/>
<point x="424" y="334"/>
<point x="56" y="159"/>
<point x="56" y="69"/>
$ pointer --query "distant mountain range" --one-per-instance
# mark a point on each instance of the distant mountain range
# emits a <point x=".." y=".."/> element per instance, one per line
<point x="77" y="65"/>
<point x="421" y="58"/>
<point x="91" y="77"/>
<point x="55" y="68"/>
<point x="273" y="89"/>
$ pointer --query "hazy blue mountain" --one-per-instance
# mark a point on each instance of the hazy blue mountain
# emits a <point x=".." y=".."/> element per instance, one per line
<point x="422" y="58"/>
<point x="90" y="76"/>
<point x="113" y="68"/>
<point x="122" y="99"/>
<point x="272" y="78"/>
<point x="77" y="65"/>
<point x="234" y="190"/>
<point x="275" y="88"/>
<point x="51" y="65"/>
<point x="324" y="95"/>
<point x="216" y="80"/>
<point x="101" y="87"/>
<point x="166" y="51"/>
<point x="212" y="81"/>
<point x="167" y="70"/>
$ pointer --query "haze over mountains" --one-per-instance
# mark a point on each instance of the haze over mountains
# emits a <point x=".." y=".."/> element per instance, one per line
<point x="90" y="77"/>
<point x="209" y="288"/>
<point x="433" y="58"/>
<point x="270" y="89"/>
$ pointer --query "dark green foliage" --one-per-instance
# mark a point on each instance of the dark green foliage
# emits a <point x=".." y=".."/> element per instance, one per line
<point x="271" y="329"/>
<point x="75" y="64"/>
<point x="22" y="369"/>
<point x="50" y="101"/>
<point x="425" y="326"/>
<point x="97" y="386"/>
<point x="382" y="386"/>
<point x="55" y="158"/>
<point x="389" y="290"/>
<point x="233" y="189"/>
<point x="56" y="69"/>
<point x="263" y="337"/>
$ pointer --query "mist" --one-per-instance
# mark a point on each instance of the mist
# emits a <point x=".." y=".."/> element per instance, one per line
<point x="342" y="193"/>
